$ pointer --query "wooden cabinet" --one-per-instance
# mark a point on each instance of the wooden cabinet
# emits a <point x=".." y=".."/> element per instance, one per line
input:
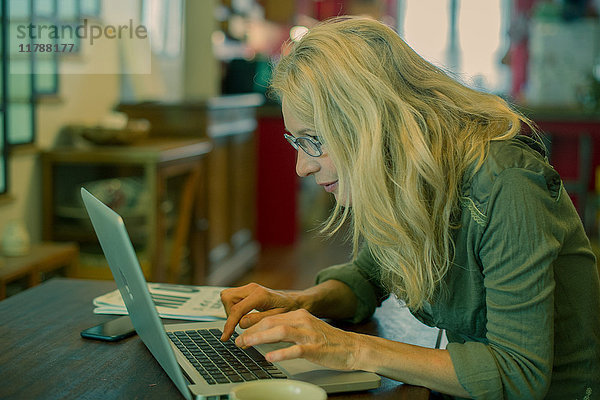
<point x="229" y="123"/>
<point x="166" y="178"/>
<point x="232" y="208"/>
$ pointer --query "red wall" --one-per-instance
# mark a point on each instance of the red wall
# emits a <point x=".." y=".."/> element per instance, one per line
<point x="277" y="185"/>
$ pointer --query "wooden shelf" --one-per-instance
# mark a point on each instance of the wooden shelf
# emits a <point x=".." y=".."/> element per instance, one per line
<point x="225" y="231"/>
<point x="160" y="160"/>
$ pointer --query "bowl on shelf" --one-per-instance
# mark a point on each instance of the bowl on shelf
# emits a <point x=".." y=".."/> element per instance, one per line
<point x="134" y="131"/>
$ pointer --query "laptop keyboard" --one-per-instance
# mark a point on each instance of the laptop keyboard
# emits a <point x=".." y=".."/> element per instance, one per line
<point x="222" y="362"/>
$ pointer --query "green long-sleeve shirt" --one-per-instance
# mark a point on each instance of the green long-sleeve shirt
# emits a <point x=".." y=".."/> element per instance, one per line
<point x="523" y="312"/>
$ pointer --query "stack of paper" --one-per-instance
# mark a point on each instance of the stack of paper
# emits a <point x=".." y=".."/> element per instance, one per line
<point x="196" y="303"/>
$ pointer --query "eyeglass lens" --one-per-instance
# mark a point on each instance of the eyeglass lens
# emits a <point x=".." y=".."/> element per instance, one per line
<point x="308" y="146"/>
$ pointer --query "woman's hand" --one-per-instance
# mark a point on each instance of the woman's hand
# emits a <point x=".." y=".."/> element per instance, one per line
<point x="321" y="343"/>
<point x="238" y="303"/>
<point x="311" y="339"/>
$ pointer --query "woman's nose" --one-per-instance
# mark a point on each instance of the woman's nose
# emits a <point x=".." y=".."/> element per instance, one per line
<point x="305" y="164"/>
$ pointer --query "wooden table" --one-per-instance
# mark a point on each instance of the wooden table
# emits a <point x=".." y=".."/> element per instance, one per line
<point x="42" y="258"/>
<point x="43" y="357"/>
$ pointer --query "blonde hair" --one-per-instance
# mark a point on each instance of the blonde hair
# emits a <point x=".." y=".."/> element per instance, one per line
<point x="401" y="134"/>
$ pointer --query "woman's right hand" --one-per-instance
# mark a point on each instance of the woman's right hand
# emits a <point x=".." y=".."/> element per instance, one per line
<point x="240" y="301"/>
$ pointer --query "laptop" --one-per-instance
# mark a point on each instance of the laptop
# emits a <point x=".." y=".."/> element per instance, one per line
<point x="192" y="355"/>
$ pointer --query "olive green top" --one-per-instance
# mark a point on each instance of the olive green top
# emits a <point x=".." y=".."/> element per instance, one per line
<point x="523" y="312"/>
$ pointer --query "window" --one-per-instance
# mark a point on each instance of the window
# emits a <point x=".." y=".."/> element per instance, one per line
<point x="164" y="19"/>
<point x="19" y="110"/>
<point x="45" y="65"/>
<point x="467" y="37"/>
<point x="3" y="80"/>
<point x="25" y="73"/>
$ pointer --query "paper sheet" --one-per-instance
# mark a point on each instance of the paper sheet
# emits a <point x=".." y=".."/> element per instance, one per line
<point x="196" y="303"/>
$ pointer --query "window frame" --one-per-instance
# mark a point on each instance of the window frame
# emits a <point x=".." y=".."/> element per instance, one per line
<point x="4" y="176"/>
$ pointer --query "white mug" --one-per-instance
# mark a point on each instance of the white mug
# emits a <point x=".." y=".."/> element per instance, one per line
<point x="277" y="389"/>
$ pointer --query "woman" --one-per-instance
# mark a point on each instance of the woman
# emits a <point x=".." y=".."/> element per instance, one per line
<point x="461" y="217"/>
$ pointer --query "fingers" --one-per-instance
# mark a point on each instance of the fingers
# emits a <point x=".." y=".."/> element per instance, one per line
<point x="230" y="298"/>
<point x="235" y="314"/>
<point x="289" y="353"/>
<point x="247" y="321"/>
<point x="240" y="301"/>
<point x="252" y="318"/>
<point x="311" y="338"/>
<point x="275" y="334"/>
<point x="292" y="327"/>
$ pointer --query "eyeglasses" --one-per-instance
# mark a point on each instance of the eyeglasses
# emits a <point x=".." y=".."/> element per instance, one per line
<point x="310" y="146"/>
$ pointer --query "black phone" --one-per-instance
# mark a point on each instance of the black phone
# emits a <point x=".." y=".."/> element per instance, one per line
<point x="111" y="331"/>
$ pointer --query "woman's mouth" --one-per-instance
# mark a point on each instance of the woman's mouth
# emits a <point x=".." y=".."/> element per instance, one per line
<point x="330" y="187"/>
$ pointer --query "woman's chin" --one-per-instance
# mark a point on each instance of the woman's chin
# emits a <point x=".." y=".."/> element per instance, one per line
<point x="342" y="200"/>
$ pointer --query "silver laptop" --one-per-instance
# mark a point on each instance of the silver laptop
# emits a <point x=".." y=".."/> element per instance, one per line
<point x="198" y="363"/>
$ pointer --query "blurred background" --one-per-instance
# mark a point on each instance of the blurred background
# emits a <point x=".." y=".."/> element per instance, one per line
<point x="158" y="107"/>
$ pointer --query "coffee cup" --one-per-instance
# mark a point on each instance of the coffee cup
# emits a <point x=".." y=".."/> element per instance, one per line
<point x="277" y="389"/>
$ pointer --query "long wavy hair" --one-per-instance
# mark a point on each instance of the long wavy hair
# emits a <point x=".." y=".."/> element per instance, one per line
<point x="401" y="133"/>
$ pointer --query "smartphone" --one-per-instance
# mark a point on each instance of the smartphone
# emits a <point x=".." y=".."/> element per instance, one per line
<point x="111" y="331"/>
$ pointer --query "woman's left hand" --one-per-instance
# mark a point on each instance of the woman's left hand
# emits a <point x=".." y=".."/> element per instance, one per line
<point x="311" y="339"/>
